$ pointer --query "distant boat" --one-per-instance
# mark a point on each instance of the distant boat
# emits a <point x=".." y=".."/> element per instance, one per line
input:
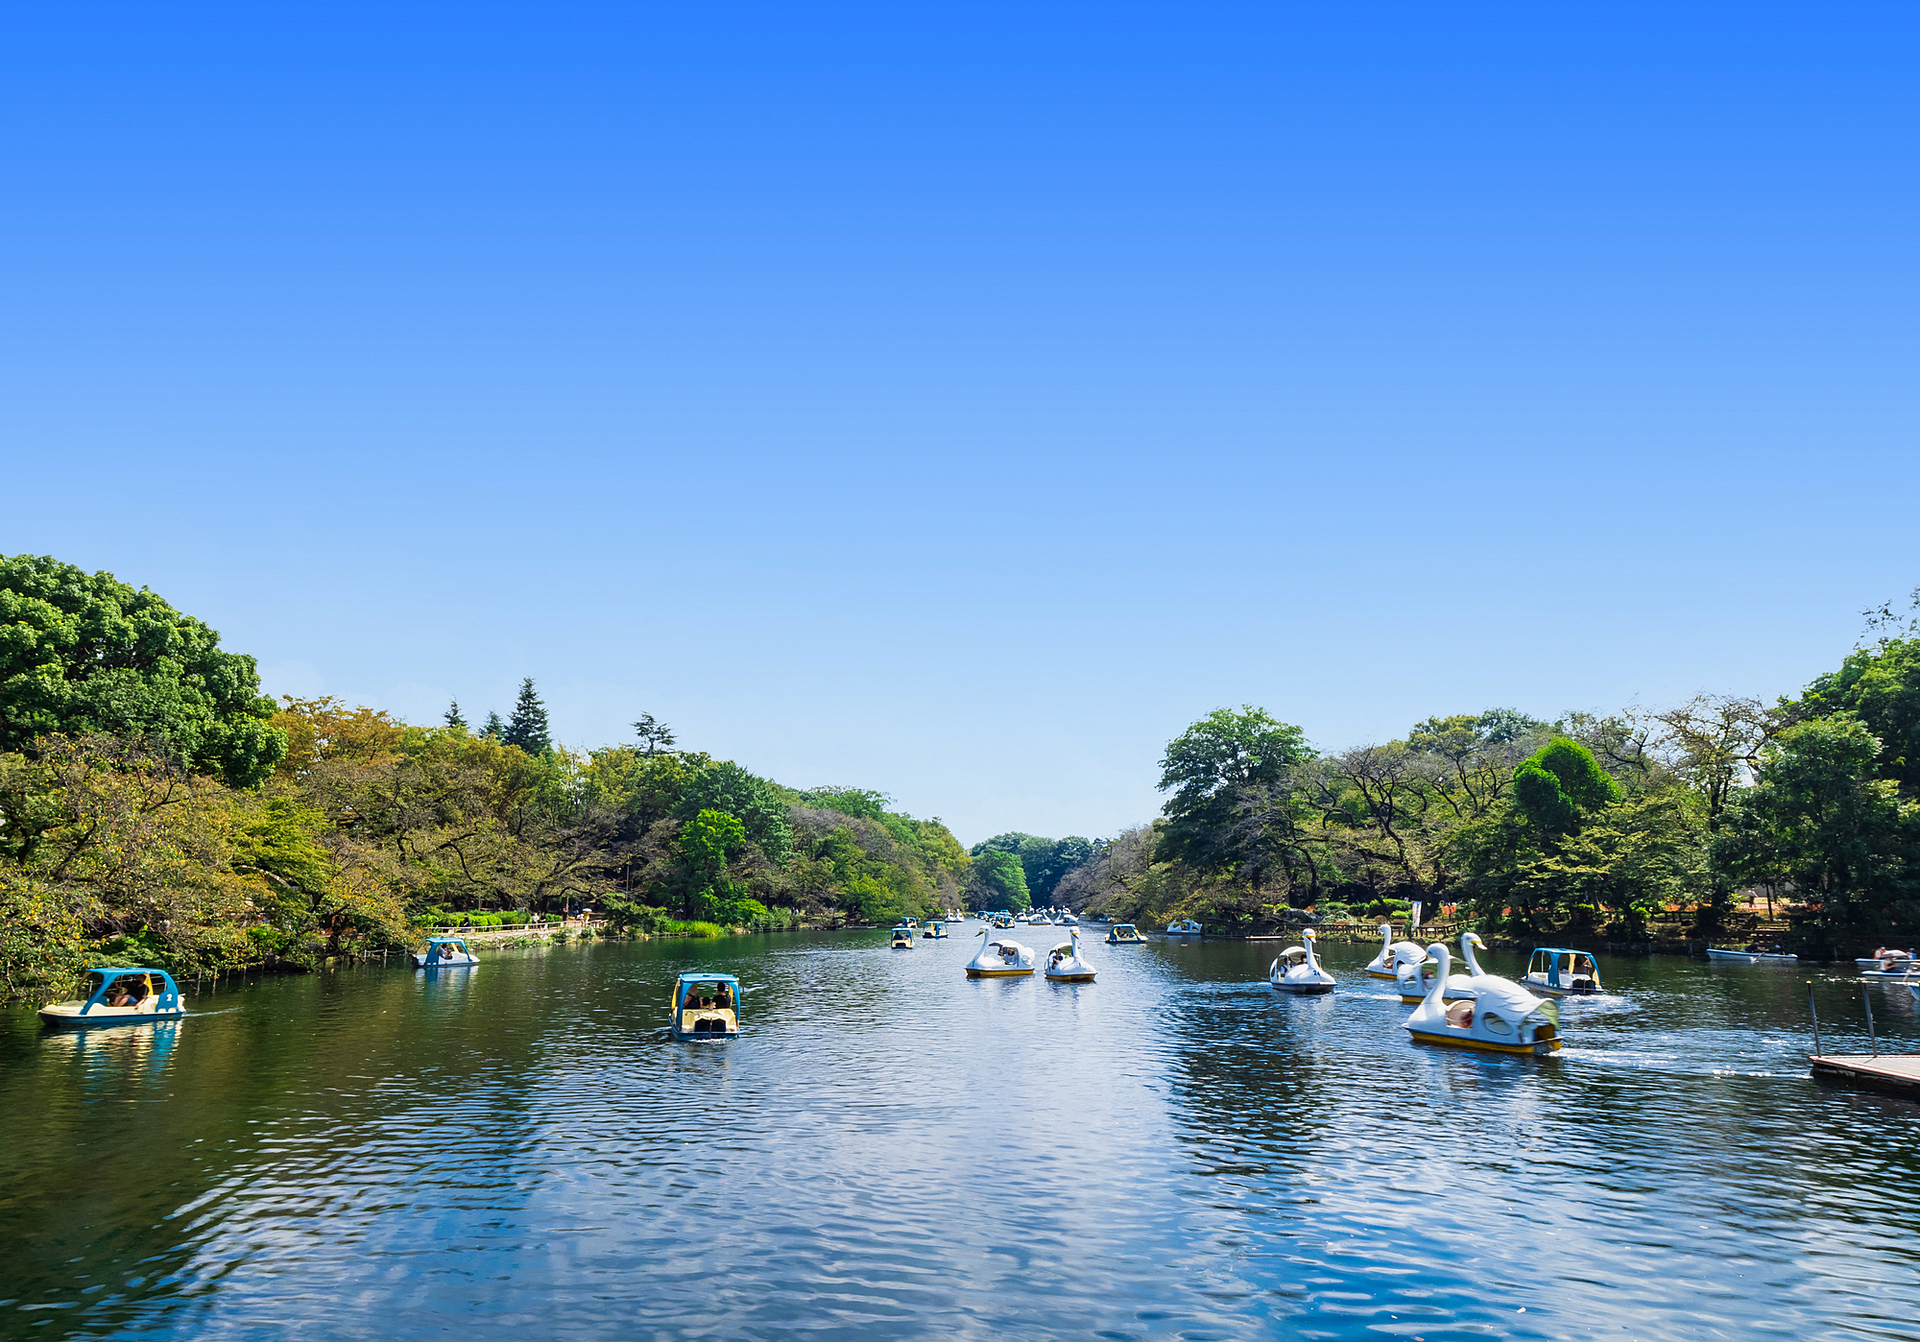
<point x="1751" y="957"/>
<point x="1000" y="959"/>
<point x="445" y="953"/>
<point x="1184" y="927"/>
<point x="119" y="997"/>
<point x="1416" y="976"/>
<point x="704" y="1008"/>
<point x="902" y="938"/>
<point x="1386" y="964"/>
<point x="1125" y="934"/>
<point x="933" y="931"/>
<point x="1886" y="960"/>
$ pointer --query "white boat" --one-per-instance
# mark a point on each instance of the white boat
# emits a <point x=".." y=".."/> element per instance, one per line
<point x="1001" y="959"/>
<point x="1560" y="971"/>
<point x="1414" y="978"/>
<point x="1386" y="965"/>
<point x="1297" y="970"/>
<point x="1751" y="957"/>
<point x="1067" y="920"/>
<point x="1885" y="960"/>
<point x="445" y="953"/>
<point x="1064" y="964"/>
<point x="1502" y="1018"/>
<point x="1902" y="974"/>
<point x="1184" y="927"/>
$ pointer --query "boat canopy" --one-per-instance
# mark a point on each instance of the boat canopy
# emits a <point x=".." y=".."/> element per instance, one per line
<point x="1552" y="968"/>
<point x="682" y="983"/>
<point x="158" y="980"/>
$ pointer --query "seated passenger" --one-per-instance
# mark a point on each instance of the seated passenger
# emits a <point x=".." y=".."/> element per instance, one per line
<point x="724" y="1001"/>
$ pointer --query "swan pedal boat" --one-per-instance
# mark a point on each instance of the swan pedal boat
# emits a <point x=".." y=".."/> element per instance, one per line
<point x="1125" y="934"/>
<point x="691" y="1020"/>
<point x="1393" y="954"/>
<point x="445" y="953"/>
<point x="902" y="938"/>
<point x="1752" y="957"/>
<point x="159" y="1000"/>
<point x="1298" y="970"/>
<point x="1502" y="1018"/>
<point x="1415" y="977"/>
<point x="1064" y="964"/>
<point x="1560" y="971"/>
<point x="1002" y="959"/>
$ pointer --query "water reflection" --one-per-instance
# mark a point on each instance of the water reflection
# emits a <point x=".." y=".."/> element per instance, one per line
<point x="892" y="1148"/>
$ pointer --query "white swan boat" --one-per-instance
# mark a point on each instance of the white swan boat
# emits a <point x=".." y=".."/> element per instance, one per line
<point x="445" y="953"/>
<point x="1752" y="957"/>
<point x="1502" y="1018"/>
<point x="1001" y="959"/>
<point x="1415" y="977"/>
<point x="1298" y="970"/>
<point x="1064" y="964"/>
<point x="1386" y="965"/>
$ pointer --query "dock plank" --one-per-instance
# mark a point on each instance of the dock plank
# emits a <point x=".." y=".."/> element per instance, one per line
<point x="1894" y="1073"/>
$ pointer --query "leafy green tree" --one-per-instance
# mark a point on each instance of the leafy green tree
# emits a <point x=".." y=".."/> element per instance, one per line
<point x="708" y="844"/>
<point x="452" y="716"/>
<point x="999" y="881"/>
<point x="1819" y="819"/>
<point x="849" y="801"/>
<point x="1235" y="807"/>
<point x="493" y="729"/>
<point x="725" y="786"/>
<point x="527" y="728"/>
<point x="1881" y="687"/>
<point x="83" y="652"/>
<point x="1559" y="783"/>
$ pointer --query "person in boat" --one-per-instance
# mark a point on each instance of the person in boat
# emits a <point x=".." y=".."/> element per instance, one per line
<point x="120" y="996"/>
<point x="724" y="1001"/>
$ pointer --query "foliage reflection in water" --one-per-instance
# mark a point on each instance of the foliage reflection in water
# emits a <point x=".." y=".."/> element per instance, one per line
<point x="893" y="1148"/>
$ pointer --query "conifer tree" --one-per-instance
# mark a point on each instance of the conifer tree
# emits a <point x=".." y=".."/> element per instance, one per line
<point x="654" y="736"/>
<point x="453" y="714"/>
<point x="494" y="728"/>
<point x="527" y="728"/>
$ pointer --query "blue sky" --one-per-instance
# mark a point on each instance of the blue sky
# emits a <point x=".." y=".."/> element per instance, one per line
<point x="960" y="402"/>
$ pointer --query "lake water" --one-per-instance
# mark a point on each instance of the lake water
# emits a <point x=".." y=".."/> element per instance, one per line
<point x="893" y="1150"/>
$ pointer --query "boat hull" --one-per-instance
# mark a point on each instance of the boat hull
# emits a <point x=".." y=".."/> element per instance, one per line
<point x="1751" y="957"/>
<point x="1070" y="978"/>
<point x="973" y="973"/>
<point x="1300" y="989"/>
<point x="1538" y="1048"/>
<point x="99" y="1016"/>
<point x="1382" y="974"/>
<point x="420" y="962"/>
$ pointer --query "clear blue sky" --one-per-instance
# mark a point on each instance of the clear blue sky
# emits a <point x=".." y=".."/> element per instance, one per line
<point x="959" y="402"/>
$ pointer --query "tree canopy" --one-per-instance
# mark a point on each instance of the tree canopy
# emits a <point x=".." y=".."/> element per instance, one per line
<point x="84" y="652"/>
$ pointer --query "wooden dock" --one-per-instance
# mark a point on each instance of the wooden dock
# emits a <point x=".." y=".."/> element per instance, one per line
<point x="1890" y="1073"/>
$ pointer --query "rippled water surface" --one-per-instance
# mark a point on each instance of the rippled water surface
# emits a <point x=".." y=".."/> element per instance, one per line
<point x="891" y="1150"/>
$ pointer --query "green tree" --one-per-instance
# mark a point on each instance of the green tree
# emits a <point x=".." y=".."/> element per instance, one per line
<point x="527" y="728"/>
<point x="1819" y="819"/>
<point x="493" y="729"/>
<point x="725" y="786"/>
<point x="83" y="652"/>
<point x="655" y="737"/>
<point x="452" y="716"/>
<point x="999" y="881"/>
<point x="1559" y="783"/>
<point x="708" y="844"/>
<point x="1235" y="807"/>
<point x="1881" y="687"/>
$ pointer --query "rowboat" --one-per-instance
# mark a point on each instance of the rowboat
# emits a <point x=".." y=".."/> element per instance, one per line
<point x="1751" y="957"/>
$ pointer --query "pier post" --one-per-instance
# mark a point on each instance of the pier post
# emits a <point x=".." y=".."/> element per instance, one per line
<point x="1814" y="1011"/>
<point x="1866" y="995"/>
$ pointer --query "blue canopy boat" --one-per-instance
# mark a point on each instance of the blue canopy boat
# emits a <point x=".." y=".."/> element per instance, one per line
<point x="119" y="997"/>
<point x="444" y="953"/>
<point x="704" y="1008"/>
<point x="1561" y="971"/>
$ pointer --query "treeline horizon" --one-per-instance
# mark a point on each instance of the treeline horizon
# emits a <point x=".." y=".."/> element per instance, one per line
<point x="154" y="805"/>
